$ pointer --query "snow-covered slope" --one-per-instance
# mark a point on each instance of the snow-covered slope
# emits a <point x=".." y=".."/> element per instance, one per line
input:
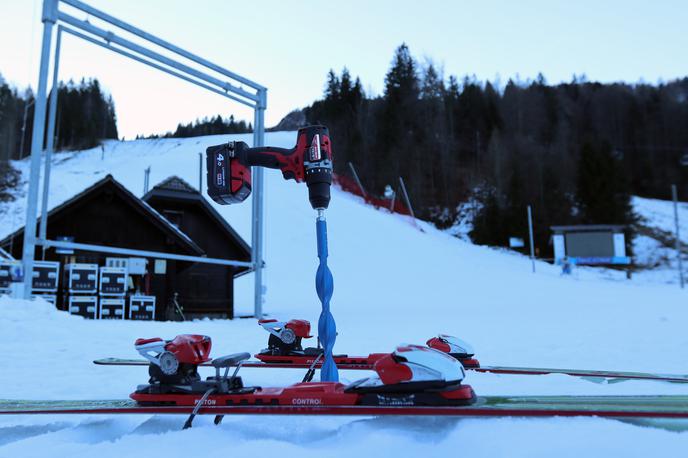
<point x="654" y="246"/>
<point x="393" y="283"/>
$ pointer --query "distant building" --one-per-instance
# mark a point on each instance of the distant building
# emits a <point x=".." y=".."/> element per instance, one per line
<point x="595" y="244"/>
<point x="172" y="218"/>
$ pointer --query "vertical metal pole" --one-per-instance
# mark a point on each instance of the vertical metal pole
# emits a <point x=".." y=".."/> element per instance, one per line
<point x="408" y="201"/>
<point x="200" y="173"/>
<point x="50" y="142"/>
<point x="358" y="181"/>
<point x="674" y="195"/>
<point x="530" y="234"/>
<point x="258" y="208"/>
<point x="49" y="18"/>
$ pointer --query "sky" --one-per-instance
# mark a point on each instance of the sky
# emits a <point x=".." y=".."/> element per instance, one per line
<point x="289" y="46"/>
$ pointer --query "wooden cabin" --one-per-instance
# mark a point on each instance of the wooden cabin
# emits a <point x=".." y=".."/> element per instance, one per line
<point x="172" y="218"/>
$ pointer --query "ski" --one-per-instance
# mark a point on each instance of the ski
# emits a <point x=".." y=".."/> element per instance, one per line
<point x="412" y="380"/>
<point x="285" y="351"/>
<point x="672" y="407"/>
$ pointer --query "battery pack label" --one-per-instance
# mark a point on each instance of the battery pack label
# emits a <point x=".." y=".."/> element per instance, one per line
<point x="220" y="176"/>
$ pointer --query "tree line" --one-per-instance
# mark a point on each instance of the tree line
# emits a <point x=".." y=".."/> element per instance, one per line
<point x="574" y="151"/>
<point x="211" y="126"/>
<point x="85" y="116"/>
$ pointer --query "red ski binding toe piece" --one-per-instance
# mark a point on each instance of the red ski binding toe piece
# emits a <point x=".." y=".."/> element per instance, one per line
<point x="455" y="347"/>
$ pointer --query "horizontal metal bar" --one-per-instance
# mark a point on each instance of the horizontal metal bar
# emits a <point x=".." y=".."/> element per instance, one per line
<point x="108" y="46"/>
<point x="160" y="42"/>
<point x="142" y="253"/>
<point x="110" y="36"/>
<point x="6" y="255"/>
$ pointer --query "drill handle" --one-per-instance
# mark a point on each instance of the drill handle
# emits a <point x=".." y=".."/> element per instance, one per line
<point x="286" y="160"/>
<point x="266" y="156"/>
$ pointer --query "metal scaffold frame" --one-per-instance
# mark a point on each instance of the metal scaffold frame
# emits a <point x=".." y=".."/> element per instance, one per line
<point x="212" y="77"/>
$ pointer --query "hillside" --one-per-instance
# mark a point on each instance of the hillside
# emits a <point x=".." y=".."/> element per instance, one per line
<point x="393" y="283"/>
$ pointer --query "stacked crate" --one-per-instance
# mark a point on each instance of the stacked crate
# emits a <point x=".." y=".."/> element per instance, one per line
<point x="6" y="276"/>
<point x="46" y="280"/>
<point x="142" y="307"/>
<point x="113" y="291"/>
<point x="81" y="284"/>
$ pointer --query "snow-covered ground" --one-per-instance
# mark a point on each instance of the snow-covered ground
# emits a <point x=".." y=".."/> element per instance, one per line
<point x="393" y="283"/>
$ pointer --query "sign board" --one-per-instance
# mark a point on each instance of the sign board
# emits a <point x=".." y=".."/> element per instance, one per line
<point x="64" y="238"/>
<point x="160" y="267"/>
<point x="516" y="242"/>
<point x="137" y="266"/>
<point x="122" y="263"/>
<point x="601" y="260"/>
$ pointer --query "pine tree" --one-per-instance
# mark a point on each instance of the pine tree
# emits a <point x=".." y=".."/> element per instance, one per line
<point x="602" y="194"/>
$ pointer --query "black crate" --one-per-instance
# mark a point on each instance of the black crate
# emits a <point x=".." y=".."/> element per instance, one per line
<point x="82" y="278"/>
<point x="45" y="276"/>
<point x="113" y="281"/>
<point x="142" y="308"/>
<point x="111" y="308"/>
<point x="51" y="298"/>
<point x="5" y="275"/>
<point x="86" y="306"/>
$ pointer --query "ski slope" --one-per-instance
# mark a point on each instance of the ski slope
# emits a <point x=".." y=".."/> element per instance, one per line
<point x="393" y="284"/>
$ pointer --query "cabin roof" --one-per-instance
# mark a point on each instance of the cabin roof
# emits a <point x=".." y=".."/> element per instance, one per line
<point x="176" y="188"/>
<point x="157" y="219"/>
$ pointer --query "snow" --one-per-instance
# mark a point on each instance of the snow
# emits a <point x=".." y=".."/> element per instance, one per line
<point x="660" y="214"/>
<point x="654" y="247"/>
<point x="393" y="284"/>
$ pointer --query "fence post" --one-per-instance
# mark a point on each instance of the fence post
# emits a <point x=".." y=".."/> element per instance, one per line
<point x="530" y="234"/>
<point x="358" y="182"/>
<point x="674" y="195"/>
<point x="408" y="201"/>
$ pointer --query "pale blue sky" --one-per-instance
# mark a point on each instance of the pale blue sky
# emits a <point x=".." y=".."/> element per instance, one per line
<point x="290" y="46"/>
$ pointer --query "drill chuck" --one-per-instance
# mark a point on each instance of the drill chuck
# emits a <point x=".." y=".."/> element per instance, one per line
<point x="318" y="165"/>
<point x="319" y="182"/>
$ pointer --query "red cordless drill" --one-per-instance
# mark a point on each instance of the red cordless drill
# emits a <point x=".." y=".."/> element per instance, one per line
<point x="229" y="166"/>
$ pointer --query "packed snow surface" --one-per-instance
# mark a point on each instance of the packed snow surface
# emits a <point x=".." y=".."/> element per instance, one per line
<point x="394" y="283"/>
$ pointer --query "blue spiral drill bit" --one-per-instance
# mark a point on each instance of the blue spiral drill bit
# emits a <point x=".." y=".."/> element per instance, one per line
<point x="324" y="285"/>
